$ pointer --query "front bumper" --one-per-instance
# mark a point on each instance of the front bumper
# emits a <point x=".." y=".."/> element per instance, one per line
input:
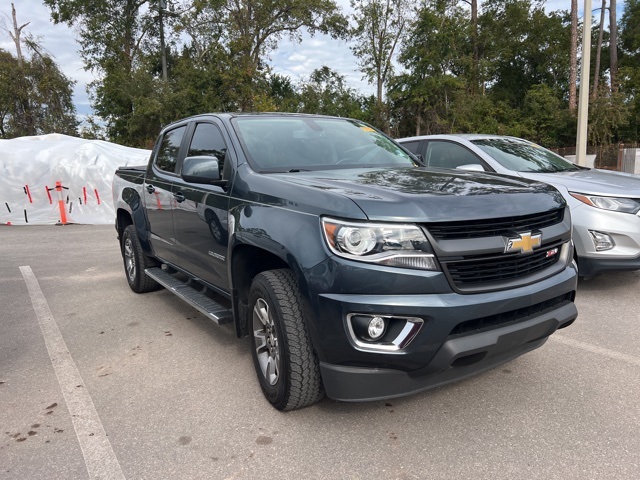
<point x="458" y="358"/>
<point x="623" y="228"/>
<point x="461" y="334"/>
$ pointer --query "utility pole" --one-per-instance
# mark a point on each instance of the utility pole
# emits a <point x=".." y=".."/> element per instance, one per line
<point x="583" y="106"/>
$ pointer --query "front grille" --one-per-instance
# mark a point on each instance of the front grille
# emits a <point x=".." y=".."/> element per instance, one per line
<point x="508" y="318"/>
<point x="469" y="273"/>
<point x="495" y="227"/>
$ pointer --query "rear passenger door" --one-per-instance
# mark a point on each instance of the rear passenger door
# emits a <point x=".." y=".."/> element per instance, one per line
<point x="157" y="191"/>
<point x="201" y="212"/>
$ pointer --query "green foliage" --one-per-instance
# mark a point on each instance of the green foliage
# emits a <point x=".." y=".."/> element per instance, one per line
<point x="523" y="46"/>
<point x="327" y="93"/>
<point x="507" y="76"/>
<point x="379" y="28"/>
<point x="607" y="115"/>
<point x="629" y="72"/>
<point x="35" y="96"/>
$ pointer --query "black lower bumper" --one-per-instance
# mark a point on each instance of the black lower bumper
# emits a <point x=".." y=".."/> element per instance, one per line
<point x="588" y="267"/>
<point x="458" y="358"/>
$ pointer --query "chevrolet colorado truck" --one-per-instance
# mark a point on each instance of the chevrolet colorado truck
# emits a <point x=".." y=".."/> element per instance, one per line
<point x="354" y="271"/>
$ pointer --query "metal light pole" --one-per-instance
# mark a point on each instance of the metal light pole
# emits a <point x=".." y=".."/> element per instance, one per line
<point x="583" y="104"/>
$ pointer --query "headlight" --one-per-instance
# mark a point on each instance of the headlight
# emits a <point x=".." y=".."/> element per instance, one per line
<point x="615" y="204"/>
<point x="386" y="244"/>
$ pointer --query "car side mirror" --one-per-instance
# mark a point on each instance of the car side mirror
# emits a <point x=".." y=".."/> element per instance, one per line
<point x="472" y="167"/>
<point x="201" y="169"/>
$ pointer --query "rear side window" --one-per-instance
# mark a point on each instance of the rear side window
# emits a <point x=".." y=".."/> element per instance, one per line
<point x="169" y="148"/>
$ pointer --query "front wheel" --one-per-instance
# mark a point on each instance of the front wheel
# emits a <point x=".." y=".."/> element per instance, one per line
<point x="135" y="262"/>
<point x="285" y="362"/>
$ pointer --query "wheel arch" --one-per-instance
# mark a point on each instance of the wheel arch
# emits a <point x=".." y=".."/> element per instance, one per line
<point x="247" y="261"/>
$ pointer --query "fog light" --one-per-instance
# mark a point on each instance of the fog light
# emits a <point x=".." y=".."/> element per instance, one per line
<point x="376" y="328"/>
<point x="602" y="241"/>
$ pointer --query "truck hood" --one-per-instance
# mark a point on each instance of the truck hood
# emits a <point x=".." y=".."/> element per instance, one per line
<point x="420" y="195"/>
<point x="593" y="181"/>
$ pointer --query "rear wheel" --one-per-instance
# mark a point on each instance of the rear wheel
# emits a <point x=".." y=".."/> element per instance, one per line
<point x="135" y="263"/>
<point x="285" y="362"/>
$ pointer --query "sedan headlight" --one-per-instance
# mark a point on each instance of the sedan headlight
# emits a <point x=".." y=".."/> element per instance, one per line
<point x="386" y="244"/>
<point x="615" y="204"/>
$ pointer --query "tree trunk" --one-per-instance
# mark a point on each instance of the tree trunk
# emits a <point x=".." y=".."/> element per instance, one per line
<point x="15" y="35"/>
<point x="475" y="74"/>
<point x="573" y="60"/>
<point x="596" y="71"/>
<point x="613" y="46"/>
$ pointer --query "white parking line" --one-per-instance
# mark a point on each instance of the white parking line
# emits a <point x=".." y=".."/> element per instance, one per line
<point x="595" y="349"/>
<point x="98" y="454"/>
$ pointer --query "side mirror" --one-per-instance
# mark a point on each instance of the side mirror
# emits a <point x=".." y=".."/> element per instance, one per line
<point x="472" y="167"/>
<point x="201" y="169"/>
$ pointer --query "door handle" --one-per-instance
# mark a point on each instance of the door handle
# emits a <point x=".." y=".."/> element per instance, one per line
<point x="151" y="188"/>
<point x="179" y="196"/>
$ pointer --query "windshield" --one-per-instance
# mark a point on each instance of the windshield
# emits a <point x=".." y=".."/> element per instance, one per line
<point x="522" y="156"/>
<point x="289" y="144"/>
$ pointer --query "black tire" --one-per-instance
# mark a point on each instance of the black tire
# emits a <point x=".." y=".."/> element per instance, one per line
<point x="285" y="362"/>
<point x="135" y="263"/>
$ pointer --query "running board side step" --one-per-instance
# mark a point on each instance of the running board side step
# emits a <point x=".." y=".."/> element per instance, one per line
<point x="193" y="297"/>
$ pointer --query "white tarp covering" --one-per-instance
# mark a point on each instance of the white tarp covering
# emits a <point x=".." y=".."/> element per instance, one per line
<point x="30" y="168"/>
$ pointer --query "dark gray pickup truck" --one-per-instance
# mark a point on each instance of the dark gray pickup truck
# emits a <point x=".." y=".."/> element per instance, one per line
<point x="355" y="271"/>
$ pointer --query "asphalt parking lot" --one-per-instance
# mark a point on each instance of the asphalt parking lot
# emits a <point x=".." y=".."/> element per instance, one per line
<point x="98" y="382"/>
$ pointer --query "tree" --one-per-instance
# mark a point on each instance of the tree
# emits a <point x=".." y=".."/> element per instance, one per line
<point x="475" y="67"/>
<point x="613" y="46"/>
<point x="630" y="65"/>
<point x="251" y="29"/>
<point x="436" y="56"/>
<point x="525" y="46"/>
<point x="596" y="74"/>
<point x="327" y="93"/>
<point x="380" y="25"/>
<point x="118" y="39"/>
<point x="35" y="96"/>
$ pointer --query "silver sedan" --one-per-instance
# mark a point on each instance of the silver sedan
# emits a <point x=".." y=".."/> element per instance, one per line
<point x="604" y="205"/>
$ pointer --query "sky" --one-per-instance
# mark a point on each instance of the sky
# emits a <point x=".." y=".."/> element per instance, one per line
<point x="294" y="60"/>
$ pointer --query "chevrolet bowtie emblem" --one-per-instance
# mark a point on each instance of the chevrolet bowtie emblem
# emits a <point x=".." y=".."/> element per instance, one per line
<point x="523" y="243"/>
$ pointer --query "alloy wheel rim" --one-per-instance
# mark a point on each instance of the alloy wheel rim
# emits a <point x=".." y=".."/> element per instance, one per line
<point x="129" y="259"/>
<point x="265" y="341"/>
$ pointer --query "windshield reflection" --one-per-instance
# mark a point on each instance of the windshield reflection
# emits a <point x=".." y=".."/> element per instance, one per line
<point x="522" y="156"/>
<point x="294" y="144"/>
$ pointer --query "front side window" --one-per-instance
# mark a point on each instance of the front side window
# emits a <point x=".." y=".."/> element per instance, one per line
<point x="442" y="154"/>
<point x="522" y="156"/>
<point x="169" y="148"/>
<point x="412" y="146"/>
<point x="282" y="144"/>
<point x="207" y="140"/>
